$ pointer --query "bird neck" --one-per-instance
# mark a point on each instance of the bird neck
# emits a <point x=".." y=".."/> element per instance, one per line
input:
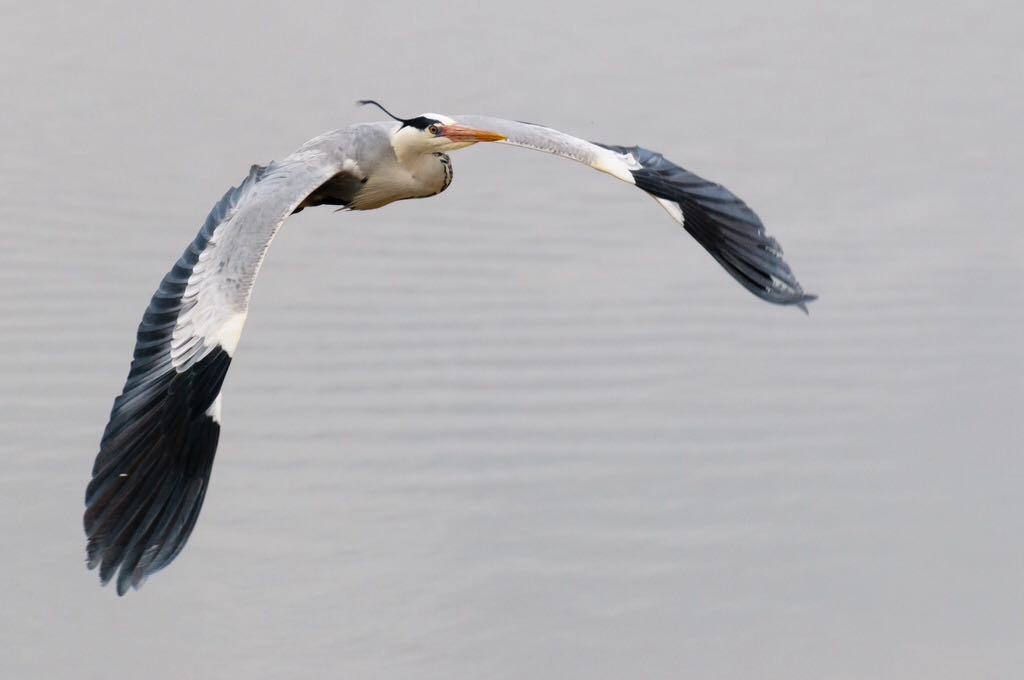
<point x="408" y="146"/>
<point x="424" y="172"/>
<point x="417" y="163"/>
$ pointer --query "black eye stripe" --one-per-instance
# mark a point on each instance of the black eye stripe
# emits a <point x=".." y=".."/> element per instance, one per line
<point x="421" y="122"/>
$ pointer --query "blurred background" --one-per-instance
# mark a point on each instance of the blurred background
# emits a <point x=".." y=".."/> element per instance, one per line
<point x="528" y="428"/>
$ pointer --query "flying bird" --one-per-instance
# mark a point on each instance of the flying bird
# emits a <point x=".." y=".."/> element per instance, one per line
<point x="153" y="468"/>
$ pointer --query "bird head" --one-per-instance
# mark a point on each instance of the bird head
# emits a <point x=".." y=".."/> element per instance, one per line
<point x="434" y="133"/>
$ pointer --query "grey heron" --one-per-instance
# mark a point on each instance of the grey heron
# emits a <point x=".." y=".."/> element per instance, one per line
<point x="153" y="468"/>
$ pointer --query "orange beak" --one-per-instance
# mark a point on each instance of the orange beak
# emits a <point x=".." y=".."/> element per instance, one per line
<point x="459" y="133"/>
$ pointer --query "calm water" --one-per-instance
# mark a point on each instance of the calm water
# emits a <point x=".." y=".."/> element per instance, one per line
<point x="528" y="429"/>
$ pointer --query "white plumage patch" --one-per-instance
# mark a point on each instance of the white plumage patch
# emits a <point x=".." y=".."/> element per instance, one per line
<point x="229" y="333"/>
<point x="672" y="208"/>
<point x="351" y="167"/>
<point x="616" y="165"/>
<point x="214" y="410"/>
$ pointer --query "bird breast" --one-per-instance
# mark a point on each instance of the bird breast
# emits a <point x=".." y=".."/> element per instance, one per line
<point x="427" y="176"/>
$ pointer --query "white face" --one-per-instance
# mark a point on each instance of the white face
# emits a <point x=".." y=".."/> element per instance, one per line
<point x="437" y="133"/>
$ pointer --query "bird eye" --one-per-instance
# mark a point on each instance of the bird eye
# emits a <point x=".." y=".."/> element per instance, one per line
<point x="433" y="129"/>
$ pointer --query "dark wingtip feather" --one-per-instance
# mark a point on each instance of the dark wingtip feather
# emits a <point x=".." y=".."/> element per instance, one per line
<point x="135" y="528"/>
<point x="724" y="225"/>
<point x="150" y="476"/>
<point x="802" y="305"/>
<point x="152" y="471"/>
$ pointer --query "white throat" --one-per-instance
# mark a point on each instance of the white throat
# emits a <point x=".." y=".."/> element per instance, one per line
<point x="409" y="145"/>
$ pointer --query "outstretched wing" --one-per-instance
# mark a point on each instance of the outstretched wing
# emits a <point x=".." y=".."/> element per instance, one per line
<point x="153" y="468"/>
<point x="717" y="218"/>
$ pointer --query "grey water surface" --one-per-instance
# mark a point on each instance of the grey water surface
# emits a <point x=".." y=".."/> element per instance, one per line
<point x="528" y="428"/>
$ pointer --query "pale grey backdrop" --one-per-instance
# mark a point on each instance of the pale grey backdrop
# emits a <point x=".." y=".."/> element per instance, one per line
<point x="528" y="429"/>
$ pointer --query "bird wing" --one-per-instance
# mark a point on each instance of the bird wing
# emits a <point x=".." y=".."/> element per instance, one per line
<point x="720" y="221"/>
<point x="153" y="467"/>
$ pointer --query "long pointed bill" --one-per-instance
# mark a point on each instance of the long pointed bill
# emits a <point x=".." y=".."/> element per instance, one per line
<point x="459" y="133"/>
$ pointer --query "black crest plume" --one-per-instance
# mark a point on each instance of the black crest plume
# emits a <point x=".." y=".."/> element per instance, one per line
<point x="364" y="102"/>
<point x="420" y="122"/>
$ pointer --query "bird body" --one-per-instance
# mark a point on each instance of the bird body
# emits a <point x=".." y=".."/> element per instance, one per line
<point x="153" y="468"/>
